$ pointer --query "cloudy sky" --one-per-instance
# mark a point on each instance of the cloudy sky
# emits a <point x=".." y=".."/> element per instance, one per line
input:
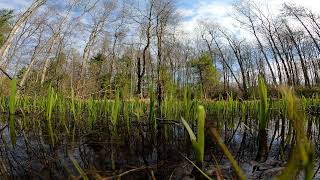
<point x="194" y="10"/>
<point x="220" y="10"/>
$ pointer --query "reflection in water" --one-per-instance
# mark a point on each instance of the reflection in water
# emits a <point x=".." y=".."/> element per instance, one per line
<point x="139" y="154"/>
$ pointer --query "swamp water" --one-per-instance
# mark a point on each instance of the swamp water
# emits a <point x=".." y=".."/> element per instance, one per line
<point x="141" y="153"/>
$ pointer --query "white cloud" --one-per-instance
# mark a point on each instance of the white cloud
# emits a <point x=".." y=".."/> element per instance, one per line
<point x="15" y="4"/>
<point x="219" y="12"/>
<point x="216" y="11"/>
<point x="186" y="12"/>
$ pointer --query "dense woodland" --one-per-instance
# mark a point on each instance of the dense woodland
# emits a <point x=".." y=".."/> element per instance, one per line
<point x="98" y="46"/>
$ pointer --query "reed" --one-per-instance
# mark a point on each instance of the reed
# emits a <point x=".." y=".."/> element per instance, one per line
<point x="73" y="109"/>
<point x="115" y="110"/>
<point x="262" y="154"/>
<point x="126" y="106"/>
<point x="12" y="98"/>
<point x="12" y="111"/>
<point x="92" y="112"/>
<point x="49" y="109"/>
<point x="152" y="112"/>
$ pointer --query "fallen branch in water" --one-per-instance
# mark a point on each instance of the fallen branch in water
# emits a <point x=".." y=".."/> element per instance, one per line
<point x="133" y="170"/>
<point x="126" y="172"/>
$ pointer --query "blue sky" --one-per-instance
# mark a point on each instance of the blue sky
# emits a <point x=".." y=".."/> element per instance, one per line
<point x="192" y="11"/>
<point x="14" y="4"/>
<point x="219" y="11"/>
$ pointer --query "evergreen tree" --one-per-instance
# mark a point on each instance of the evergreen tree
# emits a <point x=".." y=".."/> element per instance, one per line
<point x="5" y="27"/>
<point x="207" y="74"/>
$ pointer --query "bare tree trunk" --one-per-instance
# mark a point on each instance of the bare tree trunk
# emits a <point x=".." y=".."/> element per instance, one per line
<point x="145" y="50"/>
<point x="277" y="51"/>
<point x="277" y="62"/>
<point x="33" y="59"/>
<point x="294" y="13"/>
<point x="26" y="15"/>
<point x="53" y="40"/>
<point x="226" y="63"/>
<point x="159" y="32"/>
<point x="303" y="65"/>
<point x="237" y="52"/>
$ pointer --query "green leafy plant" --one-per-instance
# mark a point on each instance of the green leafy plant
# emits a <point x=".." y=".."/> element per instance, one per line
<point x="197" y="143"/>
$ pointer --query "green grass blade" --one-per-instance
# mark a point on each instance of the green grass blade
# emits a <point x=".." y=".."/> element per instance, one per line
<point x="189" y="130"/>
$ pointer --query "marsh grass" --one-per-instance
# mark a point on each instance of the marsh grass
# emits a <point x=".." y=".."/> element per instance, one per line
<point x="75" y="118"/>
<point x="126" y="107"/>
<point x="115" y="111"/>
<point x="12" y="98"/>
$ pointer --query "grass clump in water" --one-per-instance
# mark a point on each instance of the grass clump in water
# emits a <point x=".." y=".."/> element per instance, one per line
<point x="197" y="143"/>
<point x="263" y="122"/>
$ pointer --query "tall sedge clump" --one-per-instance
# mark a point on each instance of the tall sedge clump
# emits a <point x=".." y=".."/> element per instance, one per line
<point x="263" y="149"/>
<point x="197" y="143"/>
<point x="302" y="157"/>
<point x="12" y="110"/>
